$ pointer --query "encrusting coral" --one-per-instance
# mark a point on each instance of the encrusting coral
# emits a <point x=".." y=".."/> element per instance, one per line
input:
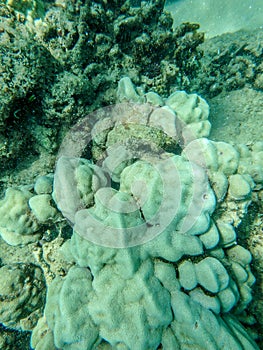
<point x="156" y="257"/>
<point x="152" y="255"/>
<point x="146" y="229"/>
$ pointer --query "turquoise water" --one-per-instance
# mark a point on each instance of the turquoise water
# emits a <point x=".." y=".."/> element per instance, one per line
<point x="218" y="17"/>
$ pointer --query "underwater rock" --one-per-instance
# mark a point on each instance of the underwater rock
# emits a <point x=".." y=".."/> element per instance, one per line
<point x="84" y="49"/>
<point x="22" y="61"/>
<point x="230" y="62"/>
<point x="22" y="292"/>
<point x="31" y="9"/>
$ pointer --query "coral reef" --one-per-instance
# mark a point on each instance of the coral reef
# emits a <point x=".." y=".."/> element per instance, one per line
<point x="137" y="40"/>
<point x="153" y="225"/>
<point x="83" y="59"/>
<point x="164" y="218"/>
<point x="84" y="49"/>
<point x="217" y="276"/>
<point x="24" y="210"/>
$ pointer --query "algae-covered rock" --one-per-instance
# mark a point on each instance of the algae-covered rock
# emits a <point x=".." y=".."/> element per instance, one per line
<point x="32" y="9"/>
<point x="230" y="63"/>
<point x="22" y="292"/>
<point x="140" y="42"/>
<point x="22" y="62"/>
<point x="84" y="51"/>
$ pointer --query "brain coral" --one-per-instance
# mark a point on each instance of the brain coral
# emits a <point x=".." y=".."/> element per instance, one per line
<point x="155" y="266"/>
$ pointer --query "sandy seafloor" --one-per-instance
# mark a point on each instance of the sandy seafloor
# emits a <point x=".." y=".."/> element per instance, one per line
<point x="236" y="117"/>
<point x="218" y="17"/>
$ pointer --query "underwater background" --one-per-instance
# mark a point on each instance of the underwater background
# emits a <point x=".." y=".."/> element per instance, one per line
<point x="217" y="18"/>
<point x="59" y="62"/>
